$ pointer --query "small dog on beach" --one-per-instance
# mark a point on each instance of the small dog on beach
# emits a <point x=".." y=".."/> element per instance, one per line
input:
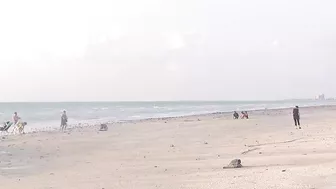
<point x="103" y="127"/>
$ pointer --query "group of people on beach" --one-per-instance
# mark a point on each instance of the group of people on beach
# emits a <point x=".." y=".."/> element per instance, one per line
<point x="19" y="125"/>
<point x="296" y="116"/>
<point x="16" y="122"/>
<point x="243" y="116"/>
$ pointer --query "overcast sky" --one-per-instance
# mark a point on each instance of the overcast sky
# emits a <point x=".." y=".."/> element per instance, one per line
<point x="77" y="50"/>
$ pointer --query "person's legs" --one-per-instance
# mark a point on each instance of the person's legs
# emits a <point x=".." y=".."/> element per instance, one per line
<point x="62" y="127"/>
<point x="297" y="122"/>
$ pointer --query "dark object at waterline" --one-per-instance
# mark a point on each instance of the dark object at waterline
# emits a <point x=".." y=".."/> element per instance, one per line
<point x="103" y="127"/>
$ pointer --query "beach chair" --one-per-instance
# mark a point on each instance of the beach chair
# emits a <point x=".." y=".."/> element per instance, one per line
<point x="5" y="127"/>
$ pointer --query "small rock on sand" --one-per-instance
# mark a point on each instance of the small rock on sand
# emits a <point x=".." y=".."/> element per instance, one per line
<point x="236" y="163"/>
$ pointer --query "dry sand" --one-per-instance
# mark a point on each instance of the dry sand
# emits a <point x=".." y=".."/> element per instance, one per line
<point x="179" y="153"/>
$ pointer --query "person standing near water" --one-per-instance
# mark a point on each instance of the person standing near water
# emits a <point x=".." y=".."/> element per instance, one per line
<point x="64" y="121"/>
<point x="16" y="118"/>
<point x="296" y="116"/>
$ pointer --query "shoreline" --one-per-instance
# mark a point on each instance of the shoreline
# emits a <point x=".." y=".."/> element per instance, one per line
<point x="45" y="115"/>
<point x="109" y="123"/>
<point x="227" y="112"/>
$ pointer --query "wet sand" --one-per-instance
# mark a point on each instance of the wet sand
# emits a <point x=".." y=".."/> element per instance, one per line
<point x="186" y="152"/>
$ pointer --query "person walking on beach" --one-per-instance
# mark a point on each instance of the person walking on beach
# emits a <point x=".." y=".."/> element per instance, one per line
<point x="64" y="121"/>
<point x="296" y="116"/>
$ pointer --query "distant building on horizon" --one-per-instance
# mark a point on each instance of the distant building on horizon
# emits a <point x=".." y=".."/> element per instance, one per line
<point x="320" y="97"/>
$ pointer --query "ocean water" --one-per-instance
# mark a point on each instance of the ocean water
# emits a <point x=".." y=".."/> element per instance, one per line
<point x="47" y="115"/>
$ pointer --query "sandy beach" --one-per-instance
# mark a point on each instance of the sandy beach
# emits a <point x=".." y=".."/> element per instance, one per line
<point x="179" y="153"/>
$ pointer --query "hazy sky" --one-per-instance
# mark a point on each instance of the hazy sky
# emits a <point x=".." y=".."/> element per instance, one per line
<point x="77" y="50"/>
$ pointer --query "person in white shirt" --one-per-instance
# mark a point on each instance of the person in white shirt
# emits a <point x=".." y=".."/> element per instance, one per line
<point x="16" y="118"/>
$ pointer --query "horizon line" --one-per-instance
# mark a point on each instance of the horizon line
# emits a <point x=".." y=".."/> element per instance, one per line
<point x="130" y="101"/>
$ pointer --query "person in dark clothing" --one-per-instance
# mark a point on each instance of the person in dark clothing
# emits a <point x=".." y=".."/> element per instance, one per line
<point x="296" y="116"/>
<point x="235" y="115"/>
